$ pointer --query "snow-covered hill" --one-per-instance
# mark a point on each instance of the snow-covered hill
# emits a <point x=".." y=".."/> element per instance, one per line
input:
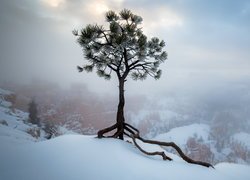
<point x="13" y="122"/>
<point x="181" y="135"/>
<point x="243" y="138"/>
<point x="85" y="157"/>
<point x="198" y="142"/>
<point x="194" y="140"/>
<point x="25" y="154"/>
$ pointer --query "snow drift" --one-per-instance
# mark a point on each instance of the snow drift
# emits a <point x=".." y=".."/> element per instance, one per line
<point x="85" y="157"/>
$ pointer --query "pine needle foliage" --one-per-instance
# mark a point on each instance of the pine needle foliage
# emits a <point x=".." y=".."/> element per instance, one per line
<point x="121" y="48"/>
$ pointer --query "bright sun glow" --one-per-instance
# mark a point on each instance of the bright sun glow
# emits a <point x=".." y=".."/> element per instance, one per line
<point x="98" y="7"/>
<point x="53" y="3"/>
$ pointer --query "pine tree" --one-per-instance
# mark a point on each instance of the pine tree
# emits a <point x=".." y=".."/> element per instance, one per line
<point x="33" y="113"/>
<point x="123" y="50"/>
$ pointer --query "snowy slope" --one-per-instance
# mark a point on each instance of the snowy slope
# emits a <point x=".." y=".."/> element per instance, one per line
<point x="78" y="157"/>
<point x="3" y="95"/>
<point x="180" y="135"/>
<point x="13" y="123"/>
<point x="243" y="138"/>
<point x="12" y="126"/>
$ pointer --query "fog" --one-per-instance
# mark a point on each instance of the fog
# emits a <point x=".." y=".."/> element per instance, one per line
<point x="207" y="44"/>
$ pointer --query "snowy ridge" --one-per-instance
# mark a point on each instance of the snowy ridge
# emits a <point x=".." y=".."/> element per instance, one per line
<point x="25" y="156"/>
<point x="5" y="92"/>
<point x="14" y="127"/>
<point x="243" y="138"/>
<point x="3" y="95"/>
<point x="180" y="135"/>
<point x="85" y="157"/>
<point x="198" y="142"/>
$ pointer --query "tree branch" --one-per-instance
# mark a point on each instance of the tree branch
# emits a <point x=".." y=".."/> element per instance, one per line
<point x="95" y="58"/>
<point x="138" y="65"/>
<point x="105" y="36"/>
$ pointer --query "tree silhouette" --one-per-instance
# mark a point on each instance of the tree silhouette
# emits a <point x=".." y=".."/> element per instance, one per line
<point x="33" y="113"/>
<point x="122" y="49"/>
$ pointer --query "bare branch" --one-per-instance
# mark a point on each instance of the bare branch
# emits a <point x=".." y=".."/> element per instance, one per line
<point x="135" y="64"/>
<point x="105" y="36"/>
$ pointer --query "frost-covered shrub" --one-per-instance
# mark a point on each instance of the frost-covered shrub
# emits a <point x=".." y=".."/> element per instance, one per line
<point x="240" y="153"/>
<point x="34" y="132"/>
<point x="51" y="129"/>
<point x="197" y="150"/>
<point x="3" y="122"/>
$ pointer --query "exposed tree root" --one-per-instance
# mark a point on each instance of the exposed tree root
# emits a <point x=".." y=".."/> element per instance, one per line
<point x="178" y="149"/>
<point x="134" y="134"/>
<point x="164" y="156"/>
<point x="118" y="133"/>
<point x="106" y="130"/>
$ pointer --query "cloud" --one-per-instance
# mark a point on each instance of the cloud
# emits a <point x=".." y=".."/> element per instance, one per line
<point x="163" y="19"/>
<point x="54" y="3"/>
<point x="202" y="37"/>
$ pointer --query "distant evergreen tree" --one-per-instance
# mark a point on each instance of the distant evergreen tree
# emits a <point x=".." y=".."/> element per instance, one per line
<point x="33" y="113"/>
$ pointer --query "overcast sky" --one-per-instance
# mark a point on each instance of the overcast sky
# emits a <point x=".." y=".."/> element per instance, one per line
<point x="208" y="42"/>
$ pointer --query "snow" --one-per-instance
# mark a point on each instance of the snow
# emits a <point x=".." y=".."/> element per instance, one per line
<point x="64" y="130"/>
<point x="6" y="103"/>
<point x="5" y="92"/>
<point x="13" y="125"/>
<point x="13" y="120"/>
<point x="86" y="157"/>
<point x="14" y="135"/>
<point x="233" y="171"/>
<point x="243" y="138"/>
<point x="73" y="156"/>
<point x="180" y="135"/>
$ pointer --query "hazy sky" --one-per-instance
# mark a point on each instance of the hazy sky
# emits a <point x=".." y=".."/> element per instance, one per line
<point x="208" y="41"/>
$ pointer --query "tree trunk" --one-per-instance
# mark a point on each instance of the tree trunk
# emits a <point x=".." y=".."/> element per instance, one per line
<point x="120" y="110"/>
